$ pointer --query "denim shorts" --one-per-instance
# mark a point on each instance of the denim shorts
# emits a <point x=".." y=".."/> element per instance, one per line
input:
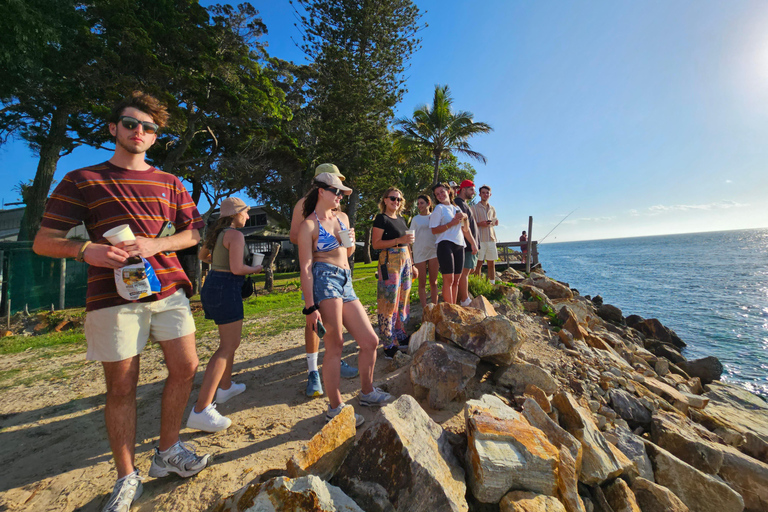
<point x="221" y="297"/>
<point x="331" y="282"/>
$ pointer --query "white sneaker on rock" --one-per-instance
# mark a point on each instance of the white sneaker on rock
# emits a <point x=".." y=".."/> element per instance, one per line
<point x="222" y="395"/>
<point x="375" y="398"/>
<point x="466" y="302"/>
<point x="208" y="420"/>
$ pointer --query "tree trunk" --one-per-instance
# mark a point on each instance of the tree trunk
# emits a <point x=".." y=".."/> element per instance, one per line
<point x="269" y="276"/>
<point x="50" y="152"/>
<point x="436" y="177"/>
<point x="367" y="248"/>
<point x="354" y="201"/>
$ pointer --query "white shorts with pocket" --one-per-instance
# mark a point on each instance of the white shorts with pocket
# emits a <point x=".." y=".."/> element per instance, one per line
<point x="121" y="332"/>
<point x="487" y="251"/>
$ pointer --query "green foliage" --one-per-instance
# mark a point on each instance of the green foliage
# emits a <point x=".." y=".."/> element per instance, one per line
<point x="16" y="344"/>
<point x="481" y="286"/>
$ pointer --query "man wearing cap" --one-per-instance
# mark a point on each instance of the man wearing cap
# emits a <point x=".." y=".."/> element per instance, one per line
<point x="485" y="218"/>
<point x="466" y="193"/>
<point x="311" y="340"/>
<point x="126" y="190"/>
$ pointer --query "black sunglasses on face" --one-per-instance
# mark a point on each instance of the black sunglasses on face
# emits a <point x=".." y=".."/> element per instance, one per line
<point x="334" y="190"/>
<point x="395" y="199"/>
<point x="130" y="123"/>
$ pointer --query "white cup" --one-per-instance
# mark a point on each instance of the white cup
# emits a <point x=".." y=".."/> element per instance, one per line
<point x="411" y="233"/>
<point x="119" y="234"/>
<point x="346" y="238"/>
<point x="258" y="257"/>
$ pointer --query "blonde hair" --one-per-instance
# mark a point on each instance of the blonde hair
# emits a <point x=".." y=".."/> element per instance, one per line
<point x="383" y="203"/>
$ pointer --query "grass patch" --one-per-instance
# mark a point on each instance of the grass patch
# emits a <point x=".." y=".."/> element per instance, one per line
<point x="16" y="344"/>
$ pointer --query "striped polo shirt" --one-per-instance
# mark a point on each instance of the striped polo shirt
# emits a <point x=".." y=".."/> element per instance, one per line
<point x="105" y="196"/>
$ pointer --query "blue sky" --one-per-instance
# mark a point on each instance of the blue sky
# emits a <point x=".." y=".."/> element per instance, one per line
<point x="645" y="117"/>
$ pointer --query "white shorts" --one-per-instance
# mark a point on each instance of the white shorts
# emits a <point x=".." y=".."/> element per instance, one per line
<point x="487" y="252"/>
<point x="121" y="332"/>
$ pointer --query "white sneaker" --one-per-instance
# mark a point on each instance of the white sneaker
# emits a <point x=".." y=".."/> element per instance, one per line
<point x="126" y="491"/>
<point x="208" y="420"/>
<point x="466" y="302"/>
<point x="222" y="395"/>
<point x="180" y="459"/>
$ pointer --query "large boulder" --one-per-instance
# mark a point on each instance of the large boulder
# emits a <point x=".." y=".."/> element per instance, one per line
<point x="552" y="288"/>
<point x="281" y="494"/>
<point x="493" y="339"/>
<point x="652" y="328"/>
<point x="554" y="432"/>
<point x="707" y="369"/>
<point x="699" y="491"/>
<point x="620" y="497"/>
<point x="522" y="501"/>
<point x="600" y="461"/>
<point x="655" y="498"/>
<point x="629" y="408"/>
<point x="484" y="305"/>
<point x="568" y="482"/>
<point x="325" y="452"/>
<point x="631" y="445"/>
<point x="404" y="462"/>
<point x="444" y="312"/>
<point x="506" y="453"/>
<point x="520" y="374"/>
<point x="749" y="477"/>
<point x="610" y="314"/>
<point x="442" y="369"/>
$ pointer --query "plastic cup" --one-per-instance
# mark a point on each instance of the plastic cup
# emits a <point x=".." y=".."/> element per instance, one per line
<point x="119" y="234"/>
<point x="258" y="257"/>
<point x="346" y="239"/>
<point x="411" y="233"/>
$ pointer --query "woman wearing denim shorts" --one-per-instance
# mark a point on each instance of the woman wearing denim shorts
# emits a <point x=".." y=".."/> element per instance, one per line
<point x="330" y="302"/>
<point x="225" y="249"/>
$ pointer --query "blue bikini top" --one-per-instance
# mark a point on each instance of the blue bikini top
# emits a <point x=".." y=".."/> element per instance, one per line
<point x="326" y="241"/>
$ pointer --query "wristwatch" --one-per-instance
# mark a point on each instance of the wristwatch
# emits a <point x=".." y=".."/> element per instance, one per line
<point x="311" y="309"/>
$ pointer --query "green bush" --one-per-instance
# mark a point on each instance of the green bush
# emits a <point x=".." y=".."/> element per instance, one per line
<point x="481" y="286"/>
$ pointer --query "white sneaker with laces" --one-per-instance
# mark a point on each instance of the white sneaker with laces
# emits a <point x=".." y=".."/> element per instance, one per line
<point x="127" y="490"/>
<point x="208" y="420"/>
<point x="375" y="398"/>
<point x="179" y="459"/>
<point x="222" y="395"/>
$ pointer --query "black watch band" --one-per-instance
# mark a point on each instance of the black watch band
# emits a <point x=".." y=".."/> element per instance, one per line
<point x="311" y="309"/>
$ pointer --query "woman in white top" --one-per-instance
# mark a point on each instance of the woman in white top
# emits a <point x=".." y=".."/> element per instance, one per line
<point x="448" y="222"/>
<point x="425" y="251"/>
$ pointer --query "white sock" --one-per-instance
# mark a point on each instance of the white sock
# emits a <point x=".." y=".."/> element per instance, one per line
<point x="312" y="362"/>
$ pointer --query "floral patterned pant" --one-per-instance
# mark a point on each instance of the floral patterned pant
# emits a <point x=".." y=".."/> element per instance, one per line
<point x="394" y="294"/>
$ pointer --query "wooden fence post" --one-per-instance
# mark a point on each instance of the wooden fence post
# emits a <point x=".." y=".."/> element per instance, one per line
<point x="268" y="272"/>
<point x="528" y="249"/>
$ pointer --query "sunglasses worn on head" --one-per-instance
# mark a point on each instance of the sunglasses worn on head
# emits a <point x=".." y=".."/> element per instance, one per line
<point x="334" y="190"/>
<point x="130" y="123"/>
<point x="395" y="199"/>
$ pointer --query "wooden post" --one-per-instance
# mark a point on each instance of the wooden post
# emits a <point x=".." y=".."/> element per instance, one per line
<point x="528" y="252"/>
<point x="62" y="282"/>
<point x="268" y="272"/>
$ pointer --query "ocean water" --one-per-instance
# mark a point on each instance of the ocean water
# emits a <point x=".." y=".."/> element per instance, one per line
<point x="710" y="288"/>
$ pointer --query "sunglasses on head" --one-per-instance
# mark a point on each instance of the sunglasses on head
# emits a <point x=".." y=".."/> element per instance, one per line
<point x="130" y="123"/>
<point x="334" y="190"/>
<point x="395" y="199"/>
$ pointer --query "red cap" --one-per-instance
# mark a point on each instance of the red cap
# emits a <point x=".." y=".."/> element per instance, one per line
<point x="466" y="183"/>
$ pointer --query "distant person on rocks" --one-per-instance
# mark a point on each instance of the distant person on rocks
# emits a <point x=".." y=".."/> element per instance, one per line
<point x="126" y="190"/>
<point x="448" y="224"/>
<point x="524" y="247"/>
<point x="396" y="271"/>
<point x="329" y="299"/>
<point x="224" y="248"/>
<point x="425" y="251"/>
<point x="485" y="217"/>
<point x="311" y="340"/>
<point x="466" y="193"/>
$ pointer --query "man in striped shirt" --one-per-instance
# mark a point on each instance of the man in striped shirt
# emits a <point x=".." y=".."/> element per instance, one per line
<point x="126" y="190"/>
<point x="485" y="216"/>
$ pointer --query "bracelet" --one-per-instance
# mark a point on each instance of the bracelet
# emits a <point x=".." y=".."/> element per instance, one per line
<point x="311" y="309"/>
<point x="81" y="253"/>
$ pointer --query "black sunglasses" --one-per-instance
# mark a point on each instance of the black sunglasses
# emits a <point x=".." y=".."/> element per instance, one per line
<point x="395" y="199"/>
<point x="130" y="123"/>
<point x="334" y="190"/>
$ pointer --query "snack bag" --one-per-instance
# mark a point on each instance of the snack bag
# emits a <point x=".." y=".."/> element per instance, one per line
<point x="136" y="281"/>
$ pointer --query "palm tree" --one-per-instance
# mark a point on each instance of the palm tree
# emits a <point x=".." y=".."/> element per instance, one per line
<point x="439" y="130"/>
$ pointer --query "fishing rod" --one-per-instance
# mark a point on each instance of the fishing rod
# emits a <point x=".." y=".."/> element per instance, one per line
<point x="554" y="228"/>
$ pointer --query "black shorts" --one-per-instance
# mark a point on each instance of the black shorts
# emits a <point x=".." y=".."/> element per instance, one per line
<point x="221" y="297"/>
<point x="450" y="257"/>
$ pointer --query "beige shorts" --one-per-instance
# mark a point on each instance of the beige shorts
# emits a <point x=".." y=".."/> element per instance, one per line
<point x="487" y="252"/>
<point x="121" y="332"/>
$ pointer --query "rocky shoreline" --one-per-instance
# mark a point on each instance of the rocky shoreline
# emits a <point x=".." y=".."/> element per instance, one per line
<point x="567" y="406"/>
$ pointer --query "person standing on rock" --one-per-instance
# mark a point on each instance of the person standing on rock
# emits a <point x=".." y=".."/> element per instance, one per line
<point x="448" y="223"/>
<point x="311" y="340"/>
<point x="126" y="190"/>
<point x="329" y="299"/>
<point x="425" y="251"/>
<point x="485" y="217"/>
<point x="466" y="193"/>
<point x="396" y="271"/>
<point x="524" y="246"/>
<point x="224" y="248"/>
